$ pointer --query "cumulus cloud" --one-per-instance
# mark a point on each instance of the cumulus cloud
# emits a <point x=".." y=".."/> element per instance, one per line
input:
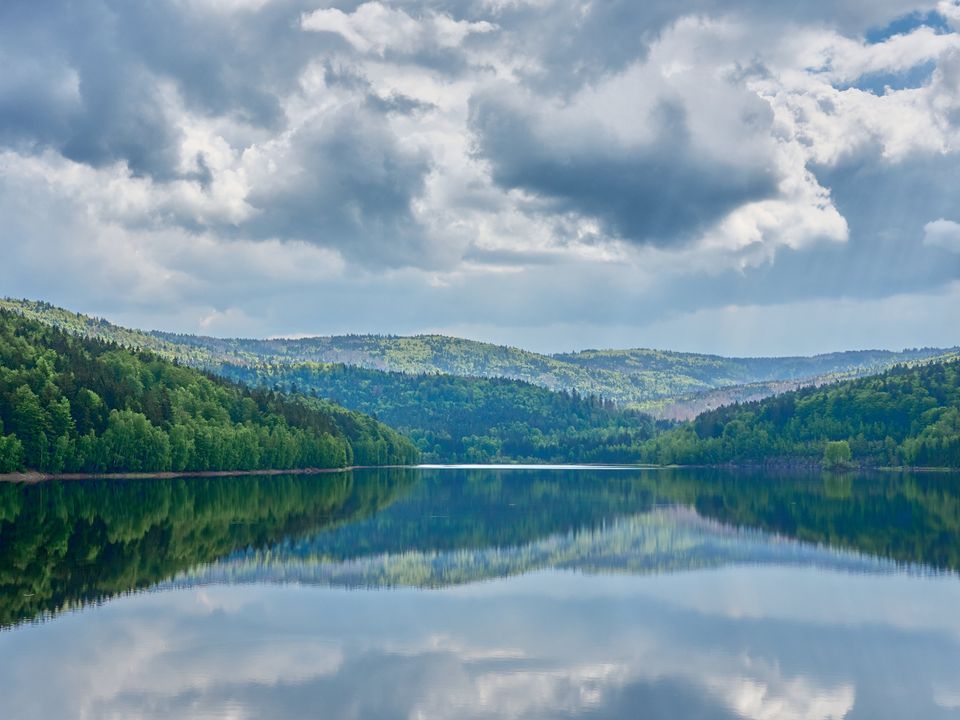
<point x="427" y="150"/>
<point x="340" y="180"/>
<point x="942" y="233"/>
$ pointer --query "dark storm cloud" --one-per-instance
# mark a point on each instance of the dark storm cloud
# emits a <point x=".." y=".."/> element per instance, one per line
<point x="661" y="191"/>
<point x="118" y="53"/>
<point x="581" y="41"/>
<point x="347" y="184"/>
<point x="88" y="79"/>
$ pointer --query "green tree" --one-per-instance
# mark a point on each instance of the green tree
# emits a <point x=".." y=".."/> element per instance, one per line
<point x="837" y="454"/>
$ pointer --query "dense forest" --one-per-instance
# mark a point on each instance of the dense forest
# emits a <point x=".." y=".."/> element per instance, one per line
<point x="908" y="416"/>
<point x="635" y="378"/>
<point x="70" y="404"/>
<point x="453" y="419"/>
<point x="649" y="380"/>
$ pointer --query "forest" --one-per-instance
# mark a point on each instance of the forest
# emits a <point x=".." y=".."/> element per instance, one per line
<point x="70" y="404"/>
<point x="146" y="409"/>
<point x="454" y="419"/>
<point x="908" y="416"/>
<point x="653" y="381"/>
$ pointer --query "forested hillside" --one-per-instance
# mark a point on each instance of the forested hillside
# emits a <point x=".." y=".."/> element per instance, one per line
<point x="418" y="389"/>
<point x="636" y="378"/>
<point x="666" y="384"/>
<point x="70" y="404"/>
<point x="454" y="419"/>
<point x="904" y="417"/>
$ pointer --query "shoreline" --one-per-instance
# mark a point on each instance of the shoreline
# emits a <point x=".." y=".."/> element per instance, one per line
<point x="33" y="477"/>
<point x="38" y="477"/>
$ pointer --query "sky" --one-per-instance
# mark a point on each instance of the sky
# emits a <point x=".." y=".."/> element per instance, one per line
<point x="739" y="176"/>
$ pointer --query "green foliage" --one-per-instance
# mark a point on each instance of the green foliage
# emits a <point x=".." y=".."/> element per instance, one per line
<point x="477" y="410"/>
<point x="909" y="416"/>
<point x="71" y="404"/>
<point x="649" y="380"/>
<point x="453" y="419"/>
<point x="837" y="454"/>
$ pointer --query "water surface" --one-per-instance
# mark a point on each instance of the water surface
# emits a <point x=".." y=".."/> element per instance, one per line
<point x="460" y="593"/>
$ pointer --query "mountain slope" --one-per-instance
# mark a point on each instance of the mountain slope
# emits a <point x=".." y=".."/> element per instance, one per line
<point x="456" y="419"/>
<point x="451" y="419"/>
<point x="906" y="416"/>
<point x="628" y="377"/>
<point x="80" y="405"/>
<point x="632" y="378"/>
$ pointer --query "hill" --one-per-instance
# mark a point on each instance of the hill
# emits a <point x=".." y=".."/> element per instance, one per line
<point x="457" y="419"/>
<point x="451" y="419"/>
<point x="70" y="404"/>
<point x="908" y="416"/>
<point x="635" y="378"/>
<point x="666" y="384"/>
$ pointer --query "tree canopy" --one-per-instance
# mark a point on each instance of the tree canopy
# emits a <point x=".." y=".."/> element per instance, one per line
<point x="908" y="416"/>
<point x="70" y="404"/>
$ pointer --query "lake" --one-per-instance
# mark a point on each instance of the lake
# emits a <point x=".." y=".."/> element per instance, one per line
<point x="483" y="592"/>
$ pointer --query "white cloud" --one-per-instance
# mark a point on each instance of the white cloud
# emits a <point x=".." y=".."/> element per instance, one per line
<point x="354" y="162"/>
<point x="943" y="234"/>
<point x="374" y="27"/>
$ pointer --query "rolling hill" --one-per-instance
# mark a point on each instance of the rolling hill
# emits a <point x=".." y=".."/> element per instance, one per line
<point x="72" y="404"/>
<point x="649" y="380"/>
<point x="907" y="416"/>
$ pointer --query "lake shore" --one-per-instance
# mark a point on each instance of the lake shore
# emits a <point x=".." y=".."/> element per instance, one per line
<point x="36" y="477"/>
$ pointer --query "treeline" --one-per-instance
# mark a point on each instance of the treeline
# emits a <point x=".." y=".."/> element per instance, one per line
<point x="70" y="404"/>
<point x="905" y="417"/>
<point x="456" y="419"/>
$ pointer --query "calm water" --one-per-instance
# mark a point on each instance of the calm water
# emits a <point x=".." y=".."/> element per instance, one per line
<point x="462" y="593"/>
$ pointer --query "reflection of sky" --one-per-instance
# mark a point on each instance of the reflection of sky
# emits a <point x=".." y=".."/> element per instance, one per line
<point x="738" y="642"/>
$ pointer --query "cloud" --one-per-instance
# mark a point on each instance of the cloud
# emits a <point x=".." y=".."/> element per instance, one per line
<point x="374" y="27"/>
<point x="654" y="158"/>
<point x="943" y="234"/>
<point x="634" y="151"/>
<point x="340" y="180"/>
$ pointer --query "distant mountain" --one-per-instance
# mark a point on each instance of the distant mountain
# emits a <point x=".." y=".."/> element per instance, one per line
<point x="628" y="377"/>
<point x="469" y="419"/>
<point x="636" y="377"/>
<point x="450" y="418"/>
<point x="462" y="400"/>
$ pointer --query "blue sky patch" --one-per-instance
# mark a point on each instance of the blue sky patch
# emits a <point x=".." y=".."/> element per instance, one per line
<point x="878" y="82"/>
<point x="908" y="23"/>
